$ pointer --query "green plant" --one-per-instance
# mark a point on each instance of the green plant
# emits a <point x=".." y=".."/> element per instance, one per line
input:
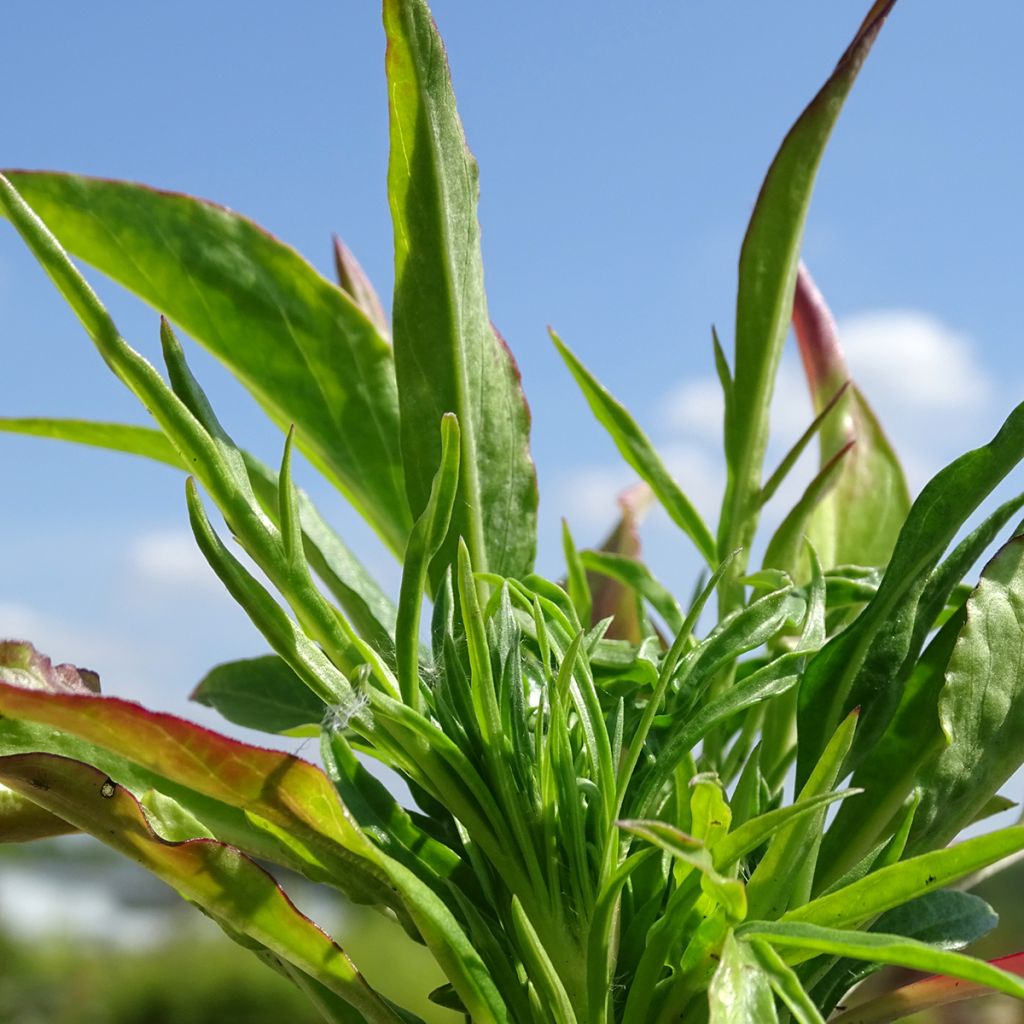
<point x="600" y="832"/>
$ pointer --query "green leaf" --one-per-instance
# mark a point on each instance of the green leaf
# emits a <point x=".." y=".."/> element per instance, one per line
<point x="767" y="277"/>
<point x="784" y="876"/>
<point x="636" y="576"/>
<point x="740" y="991"/>
<point x="857" y="667"/>
<point x="947" y="919"/>
<point x="118" y="437"/>
<point x="891" y="886"/>
<point x="540" y="970"/>
<point x="638" y="451"/>
<point x="858" y="522"/>
<point x="425" y="540"/>
<point x="287" y="793"/>
<point x="448" y="357"/>
<point x="372" y="612"/>
<point x="228" y="886"/>
<point x="22" y="820"/>
<point x="306" y="351"/>
<point x="810" y="940"/>
<point x="786" y="549"/>
<point x="787" y="984"/>
<point x="260" y="693"/>
<point x="576" y="578"/>
<point x="728" y="892"/>
<point x="981" y="706"/>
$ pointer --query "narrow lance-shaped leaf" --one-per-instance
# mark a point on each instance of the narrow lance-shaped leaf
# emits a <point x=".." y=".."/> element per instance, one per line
<point x="448" y="357"/>
<point x="371" y="610"/>
<point x="767" y="275"/>
<point x="805" y="941"/>
<point x="231" y="888"/>
<point x="305" y="350"/>
<point x="637" y="450"/>
<point x="428" y="534"/>
<point x="858" y="521"/>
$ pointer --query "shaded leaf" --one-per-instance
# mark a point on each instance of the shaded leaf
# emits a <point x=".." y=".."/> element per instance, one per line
<point x="740" y="992"/>
<point x="22" y="820"/>
<point x="260" y="693"/>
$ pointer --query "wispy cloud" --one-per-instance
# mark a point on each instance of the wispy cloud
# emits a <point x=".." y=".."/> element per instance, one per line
<point x="170" y="558"/>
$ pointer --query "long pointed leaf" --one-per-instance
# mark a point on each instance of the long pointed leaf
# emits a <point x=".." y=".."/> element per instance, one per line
<point x="448" y="357"/>
<point x="767" y="276"/>
<point x="304" y="349"/>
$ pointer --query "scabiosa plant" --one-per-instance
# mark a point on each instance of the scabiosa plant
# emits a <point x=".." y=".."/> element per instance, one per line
<point x="601" y="831"/>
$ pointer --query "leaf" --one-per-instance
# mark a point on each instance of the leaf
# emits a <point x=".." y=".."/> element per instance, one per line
<point x="858" y="522"/>
<point x="638" y="451"/>
<point x="981" y="706"/>
<point x="945" y="918"/>
<point x="227" y="885"/>
<point x="425" y="540"/>
<point x="370" y="609"/>
<point x="809" y="940"/>
<point x="23" y="665"/>
<point x="891" y="886"/>
<point x="786" y="549"/>
<point x="353" y="281"/>
<point x="117" y="437"/>
<point x="783" y="877"/>
<point x="306" y="351"/>
<point x="260" y="693"/>
<point x="767" y="276"/>
<point x="857" y="667"/>
<point x="728" y="892"/>
<point x="286" y="792"/>
<point x="611" y="599"/>
<point x="786" y="984"/>
<point x="22" y="820"/>
<point x="923" y="995"/>
<point x="448" y="357"/>
<point x="740" y="992"/>
<point x="635" y="576"/>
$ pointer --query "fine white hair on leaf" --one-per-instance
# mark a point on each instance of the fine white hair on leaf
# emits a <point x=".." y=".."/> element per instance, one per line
<point x="338" y="716"/>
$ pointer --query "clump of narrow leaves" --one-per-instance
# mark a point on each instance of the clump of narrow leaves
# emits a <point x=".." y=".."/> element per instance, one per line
<point x="600" y="833"/>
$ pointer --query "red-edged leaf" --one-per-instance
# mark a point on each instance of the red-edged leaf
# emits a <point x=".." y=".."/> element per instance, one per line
<point x="284" y="790"/>
<point x="225" y="883"/>
<point x="937" y="990"/>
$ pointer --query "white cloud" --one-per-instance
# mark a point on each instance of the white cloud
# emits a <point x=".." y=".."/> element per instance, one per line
<point x="912" y="358"/>
<point x="170" y="558"/>
<point x="695" y="406"/>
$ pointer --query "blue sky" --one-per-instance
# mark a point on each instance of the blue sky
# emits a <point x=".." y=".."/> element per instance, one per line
<point x="620" y="157"/>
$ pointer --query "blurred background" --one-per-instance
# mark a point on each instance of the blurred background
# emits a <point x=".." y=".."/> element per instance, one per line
<point x="620" y="157"/>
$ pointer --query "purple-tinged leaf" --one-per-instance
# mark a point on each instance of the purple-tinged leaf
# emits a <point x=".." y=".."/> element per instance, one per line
<point x="858" y="522"/>
<point x="22" y="665"/>
<point x="227" y="885"/>
<point x="610" y="597"/>
<point x="354" y="282"/>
